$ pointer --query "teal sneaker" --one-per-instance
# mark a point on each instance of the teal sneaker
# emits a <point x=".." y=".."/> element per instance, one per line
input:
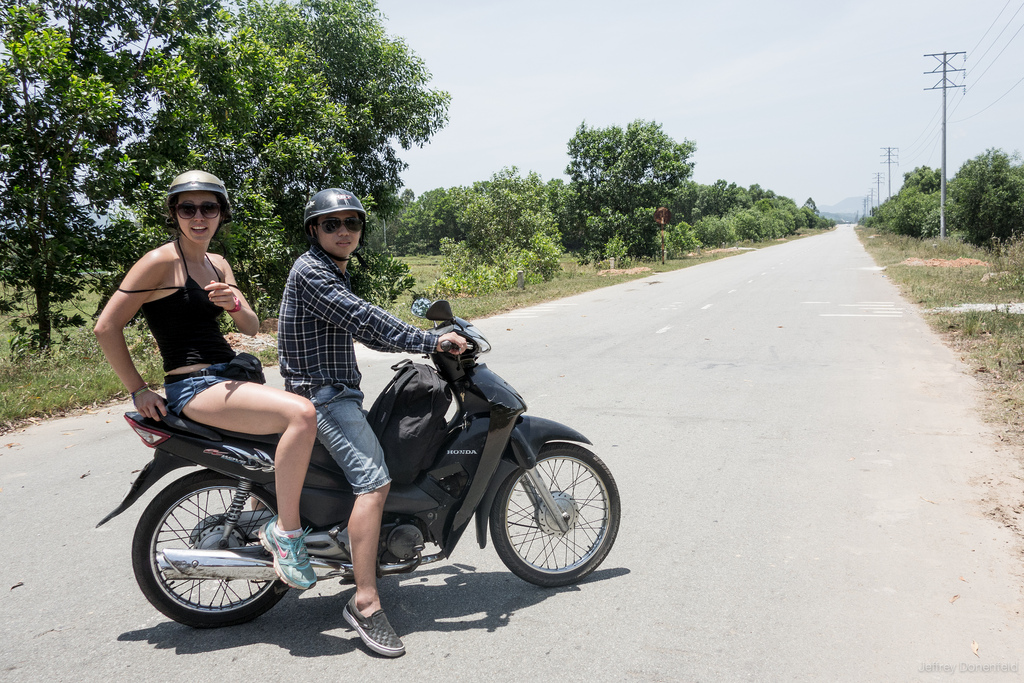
<point x="291" y="561"/>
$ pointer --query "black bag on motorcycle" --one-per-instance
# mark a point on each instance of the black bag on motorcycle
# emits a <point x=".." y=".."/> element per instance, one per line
<point x="409" y="419"/>
<point x="245" y="367"/>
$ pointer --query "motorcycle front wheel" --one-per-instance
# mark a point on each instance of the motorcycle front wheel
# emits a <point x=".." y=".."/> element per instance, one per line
<point x="190" y="513"/>
<point x="530" y="542"/>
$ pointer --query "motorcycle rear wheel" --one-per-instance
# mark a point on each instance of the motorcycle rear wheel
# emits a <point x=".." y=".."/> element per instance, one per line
<point x="530" y="544"/>
<point x="183" y="515"/>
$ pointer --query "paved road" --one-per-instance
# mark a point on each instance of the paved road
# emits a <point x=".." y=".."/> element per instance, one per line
<point x="805" y="486"/>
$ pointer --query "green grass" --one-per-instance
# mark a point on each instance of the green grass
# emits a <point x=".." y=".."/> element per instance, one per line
<point x="992" y="343"/>
<point x="72" y="376"/>
<point x="76" y="375"/>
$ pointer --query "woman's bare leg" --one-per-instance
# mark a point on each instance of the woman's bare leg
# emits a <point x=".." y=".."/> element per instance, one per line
<point x="259" y="409"/>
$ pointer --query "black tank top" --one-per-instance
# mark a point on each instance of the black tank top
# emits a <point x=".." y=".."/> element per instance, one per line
<point x="184" y="324"/>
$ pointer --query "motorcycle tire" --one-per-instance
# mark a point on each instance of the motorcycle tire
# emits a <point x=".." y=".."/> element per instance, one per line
<point x="531" y="545"/>
<point x="184" y="515"/>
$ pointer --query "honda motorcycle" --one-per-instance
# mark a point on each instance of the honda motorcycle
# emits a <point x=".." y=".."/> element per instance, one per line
<point x="551" y="504"/>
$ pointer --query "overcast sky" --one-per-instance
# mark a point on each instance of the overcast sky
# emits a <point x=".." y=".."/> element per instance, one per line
<point x="796" y="96"/>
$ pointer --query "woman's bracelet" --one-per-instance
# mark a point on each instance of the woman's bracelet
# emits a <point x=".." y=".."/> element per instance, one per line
<point x="141" y="390"/>
<point x="237" y="308"/>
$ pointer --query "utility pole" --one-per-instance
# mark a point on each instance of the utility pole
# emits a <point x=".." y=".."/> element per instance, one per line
<point x="878" y="182"/>
<point x="888" y="153"/>
<point x="944" y="84"/>
<point x="871" y="200"/>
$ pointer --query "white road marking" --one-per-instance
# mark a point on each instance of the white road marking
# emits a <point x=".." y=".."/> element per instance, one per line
<point x="869" y="309"/>
<point x="664" y="329"/>
<point x="704" y="308"/>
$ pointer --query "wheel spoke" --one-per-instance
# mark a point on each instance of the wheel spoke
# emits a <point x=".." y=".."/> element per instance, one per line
<point x="195" y="516"/>
<point x="546" y="549"/>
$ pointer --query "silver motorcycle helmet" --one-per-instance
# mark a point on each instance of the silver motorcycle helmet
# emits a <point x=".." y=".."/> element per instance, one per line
<point x="196" y="181"/>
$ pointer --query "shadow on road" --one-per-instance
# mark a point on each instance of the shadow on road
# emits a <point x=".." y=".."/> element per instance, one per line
<point x="449" y="599"/>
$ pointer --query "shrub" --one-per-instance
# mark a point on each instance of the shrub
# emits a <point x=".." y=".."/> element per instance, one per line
<point x="713" y="231"/>
<point x="680" y="239"/>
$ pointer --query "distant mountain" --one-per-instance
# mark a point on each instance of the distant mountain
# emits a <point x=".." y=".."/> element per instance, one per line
<point x="847" y="210"/>
<point x="848" y="205"/>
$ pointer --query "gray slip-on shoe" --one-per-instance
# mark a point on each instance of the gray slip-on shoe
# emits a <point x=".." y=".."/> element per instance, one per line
<point x="375" y="631"/>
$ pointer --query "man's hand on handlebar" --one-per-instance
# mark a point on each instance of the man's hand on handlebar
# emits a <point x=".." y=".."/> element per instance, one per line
<point x="451" y="343"/>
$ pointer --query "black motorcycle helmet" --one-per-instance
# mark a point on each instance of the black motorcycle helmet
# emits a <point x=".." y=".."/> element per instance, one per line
<point x="328" y="201"/>
<point x="196" y="181"/>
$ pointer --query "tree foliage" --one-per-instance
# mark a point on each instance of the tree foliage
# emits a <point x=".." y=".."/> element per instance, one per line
<point x="378" y="81"/>
<point x="615" y="174"/>
<point x="102" y="103"/>
<point x="424" y="221"/>
<point x="74" y="95"/>
<point x="509" y="227"/>
<point x="985" y="201"/>
<point x="986" y="198"/>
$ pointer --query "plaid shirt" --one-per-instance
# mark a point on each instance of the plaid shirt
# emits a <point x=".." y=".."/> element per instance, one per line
<point x="320" y="317"/>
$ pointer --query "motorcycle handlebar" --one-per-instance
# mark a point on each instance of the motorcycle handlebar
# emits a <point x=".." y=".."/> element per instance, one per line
<point x="447" y="346"/>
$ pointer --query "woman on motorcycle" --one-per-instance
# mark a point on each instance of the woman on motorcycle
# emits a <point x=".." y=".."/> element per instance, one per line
<point x="182" y="315"/>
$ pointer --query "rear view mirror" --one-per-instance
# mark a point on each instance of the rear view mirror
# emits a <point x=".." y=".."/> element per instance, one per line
<point x="437" y="311"/>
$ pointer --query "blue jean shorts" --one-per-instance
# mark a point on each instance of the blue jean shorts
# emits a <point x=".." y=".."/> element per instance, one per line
<point x="181" y="392"/>
<point x="342" y="428"/>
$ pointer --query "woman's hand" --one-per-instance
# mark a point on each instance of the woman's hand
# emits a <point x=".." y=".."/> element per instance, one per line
<point x="150" y="404"/>
<point x="221" y="294"/>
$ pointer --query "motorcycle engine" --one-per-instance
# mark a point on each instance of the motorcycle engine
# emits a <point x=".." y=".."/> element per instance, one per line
<point x="404" y="542"/>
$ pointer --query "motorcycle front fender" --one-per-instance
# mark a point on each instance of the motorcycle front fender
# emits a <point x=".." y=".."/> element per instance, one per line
<point x="528" y="437"/>
<point x="531" y="433"/>
<point x="162" y="463"/>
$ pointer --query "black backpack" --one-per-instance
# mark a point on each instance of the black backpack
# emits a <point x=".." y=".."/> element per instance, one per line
<point x="409" y="419"/>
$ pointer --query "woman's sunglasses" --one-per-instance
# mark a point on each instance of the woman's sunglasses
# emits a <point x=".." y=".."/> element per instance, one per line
<point x="352" y="224"/>
<point x="207" y="209"/>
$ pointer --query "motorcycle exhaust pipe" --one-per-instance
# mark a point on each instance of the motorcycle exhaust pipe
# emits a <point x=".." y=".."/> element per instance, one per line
<point x="253" y="564"/>
<point x="227" y="564"/>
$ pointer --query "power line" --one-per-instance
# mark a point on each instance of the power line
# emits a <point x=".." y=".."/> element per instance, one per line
<point x="927" y="149"/>
<point x="927" y="131"/>
<point x="996" y="39"/>
<point x="993" y="104"/>
<point x="996" y="58"/>
<point x="991" y="25"/>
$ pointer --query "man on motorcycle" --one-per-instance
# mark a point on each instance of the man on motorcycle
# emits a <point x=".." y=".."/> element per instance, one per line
<point x="319" y="320"/>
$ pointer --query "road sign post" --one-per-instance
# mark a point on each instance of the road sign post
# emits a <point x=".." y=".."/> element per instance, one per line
<point x="662" y="217"/>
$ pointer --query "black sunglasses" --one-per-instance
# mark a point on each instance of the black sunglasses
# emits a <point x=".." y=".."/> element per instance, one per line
<point x="207" y="209"/>
<point x="352" y="224"/>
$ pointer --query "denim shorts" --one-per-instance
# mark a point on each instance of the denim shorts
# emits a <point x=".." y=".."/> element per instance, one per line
<point x="342" y="428"/>
<point x="181" y="392"/>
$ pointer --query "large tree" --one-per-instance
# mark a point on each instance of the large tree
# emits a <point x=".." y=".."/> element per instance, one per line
<point x="616" y="173"/>
<point x="257" y="113"/>
<point x="380" y="83"/>
<point x="102" y="103"/>
<point x="74" y="92"/>
<point x="296" y="97"/>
